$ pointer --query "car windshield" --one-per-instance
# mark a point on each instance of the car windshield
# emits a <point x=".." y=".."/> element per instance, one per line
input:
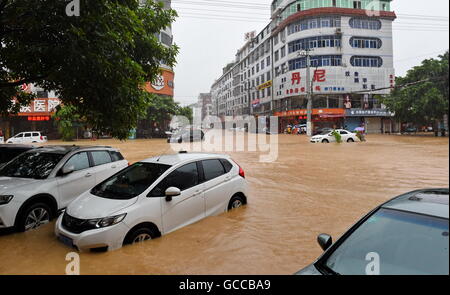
<point x="32" y="165"/>
<point x="394" y="242"/>
<point x="130" y="182"/>
<point x="325" y="132"/>
<point x="7" y="154"/>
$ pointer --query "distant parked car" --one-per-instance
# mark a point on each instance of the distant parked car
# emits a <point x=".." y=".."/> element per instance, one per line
<point x="186" y="135"/>
<point x="151" y="198"/>
<point x="10" y="151"/>
<point x="405" y="236"/>
<point x="410" y="130"/>
<point x="28" y="138"/>
<point x="38" y="183"/>
<point x="327" y="137"/>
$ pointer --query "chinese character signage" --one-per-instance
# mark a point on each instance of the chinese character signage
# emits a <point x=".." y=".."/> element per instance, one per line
<point x="40" y="106"/>
<point x="368" y="113"/>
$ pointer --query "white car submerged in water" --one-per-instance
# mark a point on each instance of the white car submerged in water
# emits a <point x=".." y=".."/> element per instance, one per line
<point x="151" y="198"/>
<point x="328" y="137"/>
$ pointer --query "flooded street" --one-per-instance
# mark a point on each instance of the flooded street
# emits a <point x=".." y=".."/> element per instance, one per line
<point x="310" y="189"/>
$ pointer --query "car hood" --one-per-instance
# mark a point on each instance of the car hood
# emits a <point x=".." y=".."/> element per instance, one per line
<point x="89" y="206"/>
<point x="310" y="270"/>
<point x="9" y="184"/>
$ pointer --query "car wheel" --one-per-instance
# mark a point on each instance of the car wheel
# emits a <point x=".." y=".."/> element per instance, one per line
<point x="350" y="140"/>
<point x="180" y="140"/>
<point x="33" y="217"/>
<point x="236" y="202"/>
<point x="140" y="235"/>
<point x="325" y="141"/>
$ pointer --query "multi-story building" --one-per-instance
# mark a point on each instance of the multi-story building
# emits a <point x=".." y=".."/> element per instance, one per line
<point x="349" y="45"/>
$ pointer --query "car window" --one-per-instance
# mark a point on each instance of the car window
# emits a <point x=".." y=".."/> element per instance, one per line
<point x="183" y="178"/>
<point x="79" y="161"/>
<point x="100" y="157"/>
<point x="405" y="243"/>
<point x="343" y="132"/>
<point x="27" y="135"/>
<point x="19" y="135"/>
<point x="7" y="155"/>
<point x="226" y="164"/>
<point x="212" y="169"/>
<point x="31" y="165"/>
<point x="35" y="134"/>
<point x="130" y="182"/>
<point x="116" y="156"/>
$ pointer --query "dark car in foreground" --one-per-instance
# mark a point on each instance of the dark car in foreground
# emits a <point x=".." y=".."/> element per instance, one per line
<point x="10" y="151"/>
<point x="405" y="236"/>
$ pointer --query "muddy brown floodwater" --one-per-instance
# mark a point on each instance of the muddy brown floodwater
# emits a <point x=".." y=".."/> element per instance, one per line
<point x="310" y="189"/>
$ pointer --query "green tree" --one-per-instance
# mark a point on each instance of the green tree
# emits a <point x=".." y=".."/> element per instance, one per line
<point x="161" y="109"/>
<point x="65" y="117"/>
<point x="98" y="61"/>
<point x="424" y="102"/>
<point x="186" y="112"/>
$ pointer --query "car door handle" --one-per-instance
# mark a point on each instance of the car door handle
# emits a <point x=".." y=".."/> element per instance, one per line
<point x="228" y="178"/>
<point x="113" y="166"/>
<point x="196" y="193"/>
<point x="88" y="175"/>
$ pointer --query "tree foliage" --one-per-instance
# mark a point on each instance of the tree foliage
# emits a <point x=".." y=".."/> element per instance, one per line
<point x="65" y="117"/>
<point x="97" y="62"/>
<point x="422" y="103"/>
<point x="162" y="108"/>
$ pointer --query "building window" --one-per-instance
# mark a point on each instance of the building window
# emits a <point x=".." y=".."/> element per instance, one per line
<point x="313" y="23"/>
<point x="366" y="61"/>
<point x="364" y="23"/>
<point x="283" y="51"/>
<point x="315" y="42"/>
<point x="365" y="42"/>
<point x="316" y="61"/>
<point x="357" y="5"/>
<point x="268" y="61"/>
<point x="277" y="55"/>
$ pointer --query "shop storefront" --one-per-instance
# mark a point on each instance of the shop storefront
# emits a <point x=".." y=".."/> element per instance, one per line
<point x="321" y="118"/>
<point x="375" y="121"/>
<point x="35" y="117"/>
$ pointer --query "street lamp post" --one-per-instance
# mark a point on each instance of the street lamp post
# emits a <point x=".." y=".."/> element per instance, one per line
<point x="306" y="53"/>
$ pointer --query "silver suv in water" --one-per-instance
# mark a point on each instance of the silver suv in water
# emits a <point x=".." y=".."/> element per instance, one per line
<point x="37" y="184"/>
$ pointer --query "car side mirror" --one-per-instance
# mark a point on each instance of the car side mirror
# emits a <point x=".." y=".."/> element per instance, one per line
<point x="172" y="192"/>
<point x="67" y="169"/>
<point x="324" y="241"/>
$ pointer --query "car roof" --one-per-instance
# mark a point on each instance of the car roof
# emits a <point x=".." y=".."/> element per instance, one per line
<point x="16" y="146"/>
<point x="173" y="159"/>
<point x="65" y="149"/>
<point x="432" y="202"/>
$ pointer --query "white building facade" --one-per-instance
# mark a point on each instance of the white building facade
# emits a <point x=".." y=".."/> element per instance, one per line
<point x="351" y="64"/>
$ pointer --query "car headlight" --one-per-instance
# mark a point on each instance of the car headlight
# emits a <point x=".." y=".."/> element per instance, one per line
<point x="5" y="199"/>
<point x="107" y="221"/>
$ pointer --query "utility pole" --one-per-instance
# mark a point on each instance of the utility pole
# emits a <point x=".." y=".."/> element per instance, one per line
<point x="307" y="54"/>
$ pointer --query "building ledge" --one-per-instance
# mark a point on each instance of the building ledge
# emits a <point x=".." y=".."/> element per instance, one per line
<point x="332" y="11"/>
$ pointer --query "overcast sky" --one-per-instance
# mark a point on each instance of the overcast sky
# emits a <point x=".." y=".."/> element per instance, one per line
<point x="209" y="32"/>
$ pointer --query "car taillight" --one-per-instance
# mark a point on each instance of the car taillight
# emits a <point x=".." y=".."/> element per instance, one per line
<point x="241" y="172"/>
<point x="42" y="138"/>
